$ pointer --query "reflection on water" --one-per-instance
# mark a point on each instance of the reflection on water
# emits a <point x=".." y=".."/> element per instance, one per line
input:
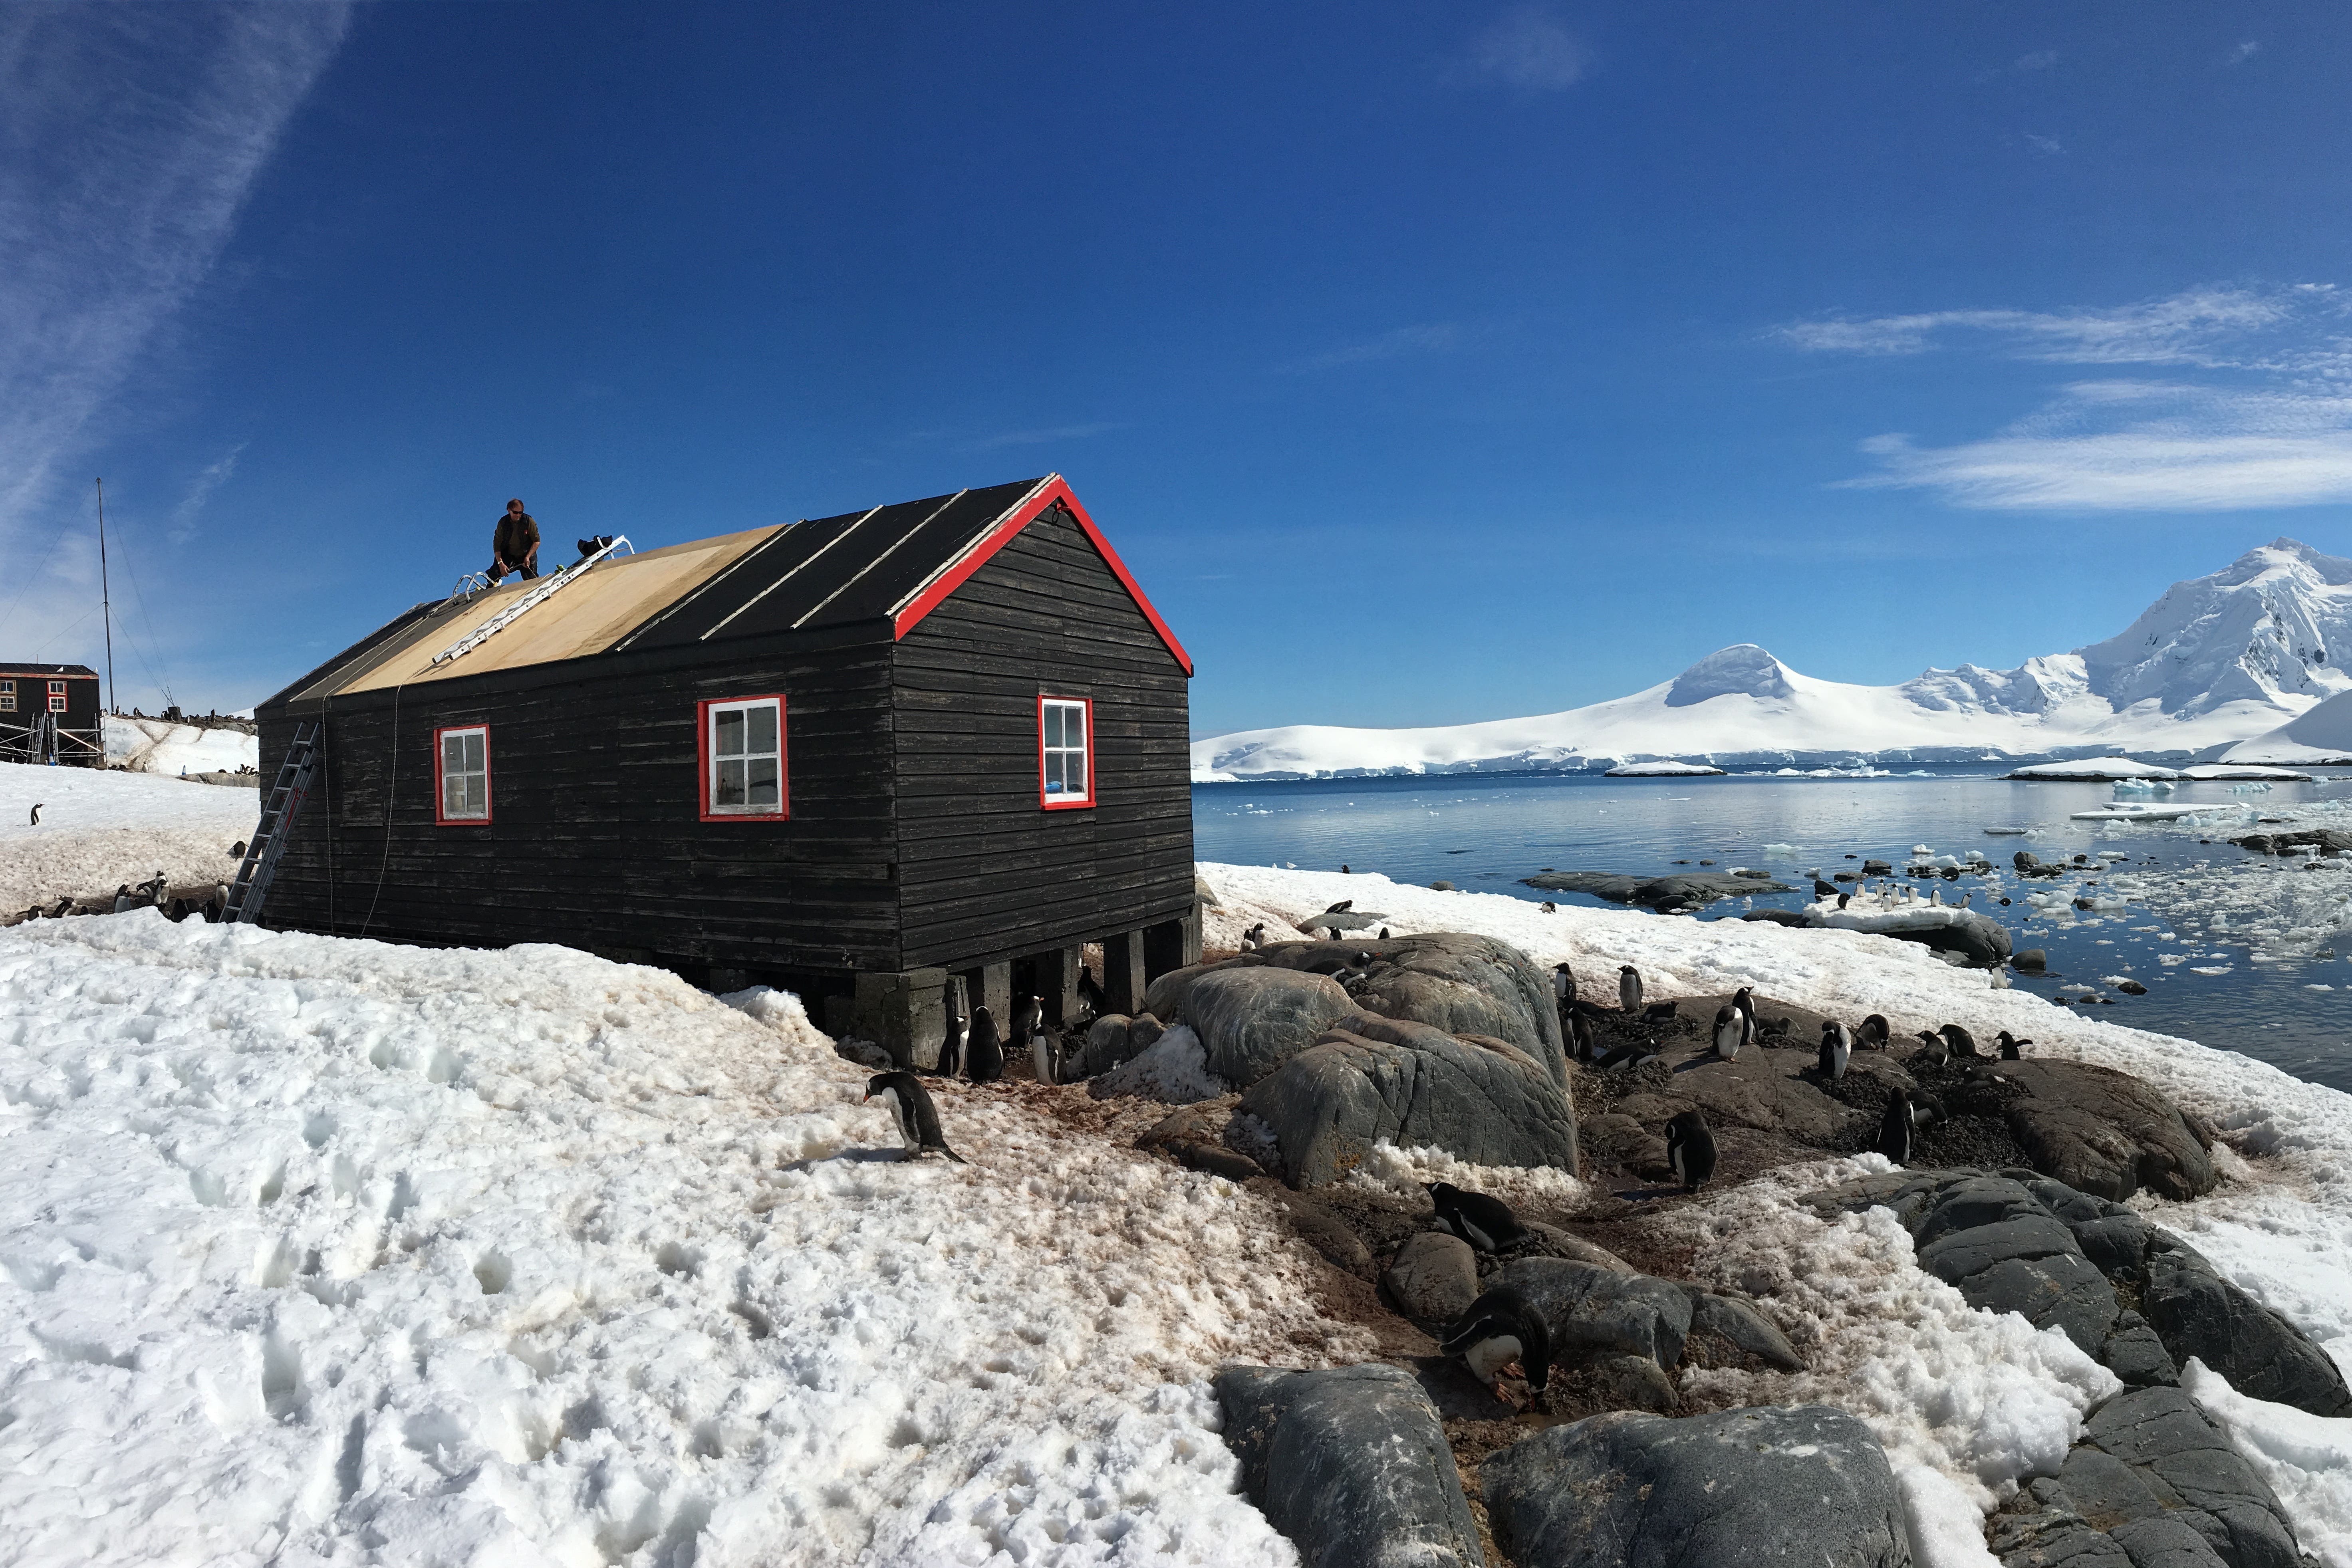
<point x="1484" y="833"/>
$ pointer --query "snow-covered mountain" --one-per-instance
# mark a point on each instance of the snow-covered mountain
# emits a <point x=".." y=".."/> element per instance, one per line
<point x="2216" y="661"/>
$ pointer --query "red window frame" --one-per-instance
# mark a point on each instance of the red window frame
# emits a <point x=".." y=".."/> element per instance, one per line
<point x="439" y="817"/>
<point x="703" y="760"/>
<point x="1066" y="803"/>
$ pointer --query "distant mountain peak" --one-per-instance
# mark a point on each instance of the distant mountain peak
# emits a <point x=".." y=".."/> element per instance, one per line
<point x="1743" y="670"/>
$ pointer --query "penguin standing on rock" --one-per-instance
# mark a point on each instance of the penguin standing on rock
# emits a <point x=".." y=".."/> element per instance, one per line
<point x="1485" y="1222"/>
<point x="1961" y="1042"/>
<point x="1836" y="1046"/>
<point x="1873" y="1035"/>
<point x="1934" y="1047"/>
<point x="123" y="898"/>
<point x="1501" y="1332"/>
<point x="984" y="1048"/>
<point x="1745" y="1000"/>
<point x="911" y="1107"/>
<point x="2012" y="1049"/>
<point x="1028" y="1012"/>
<point x="1895" y="1128"/>
<point x="1730" y="1029"/>
<point x="1628" y="988"/>
<point x="1690" y="1150"/>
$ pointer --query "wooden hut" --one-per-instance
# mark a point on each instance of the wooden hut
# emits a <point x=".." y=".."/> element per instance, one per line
<point x="854" y="756"/>
<point x="50" y="713"/>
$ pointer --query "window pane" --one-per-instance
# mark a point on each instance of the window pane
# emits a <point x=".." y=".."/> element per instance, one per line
<point x="1076" y="773"/>
<point x="1053" y="723"/>
<point x="762" y="787"/>
<point x="728" y="730"/>
<point x="1054" y="772"/>
<point x="761" y="739"/>
<point x="473" y="745"/>
<point x="1074" y="725"/>
<point x="477" y="800"/>
<point x="453" y="795"/>
<point x="728" y="790"/>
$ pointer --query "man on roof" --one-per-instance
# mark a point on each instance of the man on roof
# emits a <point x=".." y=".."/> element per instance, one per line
<point x="514" y="545"/>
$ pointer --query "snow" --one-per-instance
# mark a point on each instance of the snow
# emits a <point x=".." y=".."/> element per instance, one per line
<point x="1662" y="771"/>
<point x="2215" y="661"/>
<point x="2321" y="735"/>
<point x="1173" y="1068"/>
<point x="2306" y="1459"/>
<point x="100" y="829"/>
<point x="2208" y="772"/>
<point x="315" y="1250"/>
<point x="2096" y="770"/>
<point x="159" y="747"/>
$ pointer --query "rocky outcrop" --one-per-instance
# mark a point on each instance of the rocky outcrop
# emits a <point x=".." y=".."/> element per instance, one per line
<point x="2151" y="1453"/>
<point x="2196" y="1312"/>
<point x="1687" y="889"/>
<point x="1352" y="1464"/>
<point x="1433" y="1277"/>
<point x="1251" y="1020"/>
<point x="2329" y="840"/>
<point x="1743" y="1327"/>
<point x="1371" y="1080"/>
<point x="1113" y="1040"/>
<point x="1764" y="1484"/>
<point x="2105" y="1132"/>
<point x="1595" y="1311"/>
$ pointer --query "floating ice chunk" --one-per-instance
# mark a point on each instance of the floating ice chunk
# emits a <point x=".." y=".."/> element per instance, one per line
<point x="1781" y="852"/>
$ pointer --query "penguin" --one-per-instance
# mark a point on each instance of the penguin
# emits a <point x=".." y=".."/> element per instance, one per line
<point x="1895" y="1128"/>
<point x="1028" y="1012"/>
<point x="237" y="850"/>
<point x="1090" y="991"/>
<point x="1485" y="1222"/>
<point x="36" y="814"/>
<point x="1343" y="869"/>
<point x="1253" y="938"/>
<point x="1836" y="1046"/>
<point x="984" y="1048"/>
<point x="1587" y="1046"/>
<point x="123" y="898"/>
<point x="1046" y="1056"/>
<point x="1873" y="1035"/>
<point x="1384" y="933"/>
<point x="1628" y="988"/>
<point x="910" y="1106"/>
<point x="1661" y="1011"/>
<point x="1963" y="1044"/>
<point x="1563" y="987"/>
<point x="1934" y="1047"/>
<point x="1341" y="908"/>
<point x="1936" y="897"/>
<point x="1549" y="908"/>
<point x="951" y="1043"/>
<point x="2012" y="1048"/>
<point x="1745" y="1000"/>
<point x="1625" y="1058"/>
<point x="1690" y="1150"/>
<point x="1730" y="1031"/>
<point x="1498" y="1330"/>
<point x="1844" y="900"/>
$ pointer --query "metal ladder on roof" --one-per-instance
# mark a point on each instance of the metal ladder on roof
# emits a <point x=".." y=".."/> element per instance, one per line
<point x="269" y="841"/>
<point x="563" y="577"/>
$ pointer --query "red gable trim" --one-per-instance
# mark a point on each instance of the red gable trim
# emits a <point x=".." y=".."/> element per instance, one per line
<point x="1037" y="502"/>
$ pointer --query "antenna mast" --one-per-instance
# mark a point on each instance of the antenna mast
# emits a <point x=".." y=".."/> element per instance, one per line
<point x="105" y="597"/>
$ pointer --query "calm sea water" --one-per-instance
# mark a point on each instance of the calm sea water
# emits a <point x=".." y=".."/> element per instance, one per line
<point x="1483" y="834"/>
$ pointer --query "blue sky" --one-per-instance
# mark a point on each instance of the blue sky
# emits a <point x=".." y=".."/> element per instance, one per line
<point x="1428" y="362"/>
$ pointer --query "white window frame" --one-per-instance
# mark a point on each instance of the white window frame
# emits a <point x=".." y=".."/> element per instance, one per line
<point x="1054" y="751"/>
<point x="56" y="701"/>
<point x="465" y="816"/>
<point x="716" y="763"/>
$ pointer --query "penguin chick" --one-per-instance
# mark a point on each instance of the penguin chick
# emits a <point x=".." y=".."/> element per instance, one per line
<point x="1484" y="1221"/>
<point x="911" y="1107"/>
<point x="1962" y="1043"/>
<point x="1896" y="1127"/>
<point x="1873" y="1035"/>
<point x="1628" y="988"/>
<point x="1730" y="1030"/>
<point x="1498" y="1332"/>
<point x="2012" y="1049"/>
<point x="1836" y="1046"/>
<point x="1690" y="1150"/>
<point x="984" y="1048"/>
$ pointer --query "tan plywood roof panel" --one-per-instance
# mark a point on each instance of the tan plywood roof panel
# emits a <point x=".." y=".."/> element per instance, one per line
<point x="582" y="617"/>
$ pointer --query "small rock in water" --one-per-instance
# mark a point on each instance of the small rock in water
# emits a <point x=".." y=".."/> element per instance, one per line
<point x="2131" y="988"/>
<point x="2033" y="960"/>
<point x="1441" y="887"/>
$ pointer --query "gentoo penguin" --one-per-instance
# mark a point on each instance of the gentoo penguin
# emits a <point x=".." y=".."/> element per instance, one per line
<point x="1587" y="1046"/>
<point x="1936" y="897"/>
<point x="1690" y="1150"/>
<point x="1384" y="933"/>
<point x="1625" y="1058"/>
<point x="1563" y="987"/>
<point x="1046" y="1056"/>
<point x="1341" y="908"/>
<point x="1661" y="1011"/>
<point x="36" y="814"/>
<point x="1934" y="1047"/>
<point x="1499" y="1331"/>
<point x="123" y="898"/>
<point x="1028" y="1012"/>
<point x="1963" y="1044"/>
<point x="1253" y="938"/>
<point x="951" y="1043"/>
<point x="1486" y="1222"/>
<point x="1628" y="988"/>
<point x="1090" y="991"/>
<point x="1745" y="1000"/>
<point x="1844" y="900"/>
<point x="1895" y="1128"/>
<point x="152" y="888"/>
<point x="910" y="1106"/>
<point x="237" y="850"/>
<point x="984" y="1048"/>
<point x="1836" y="1046"/>
<point x="1730" y="1030"/>
<point x="1873" y="1035"/>
<point x="2012" y="1049"/>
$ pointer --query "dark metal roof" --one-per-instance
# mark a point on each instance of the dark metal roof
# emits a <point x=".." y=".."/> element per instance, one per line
<point x="835" y="571"/>
<point x="7" y="667"/>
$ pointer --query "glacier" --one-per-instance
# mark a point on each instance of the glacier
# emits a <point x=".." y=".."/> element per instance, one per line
<point x="2216" y="663"/>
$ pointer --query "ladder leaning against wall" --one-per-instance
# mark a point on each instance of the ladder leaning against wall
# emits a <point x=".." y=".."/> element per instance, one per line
<point x="278" y="814"/>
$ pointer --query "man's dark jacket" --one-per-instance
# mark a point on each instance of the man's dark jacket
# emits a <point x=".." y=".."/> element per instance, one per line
<point x="515" y="538"/>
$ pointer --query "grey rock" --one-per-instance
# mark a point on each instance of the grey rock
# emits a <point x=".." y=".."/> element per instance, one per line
<point x="1440" y="885"/>
<point x="1252" y="1020"/>
<point x="2103" y="1132"/>
<point x="1371" y="1080"/>
<point x="1965" y="1201"/>
<point x="1164" y="997"/>
<point x="2105" y="1490"/>
<point x="2061" y="1291"/>
<point x="1329" y="1235"/>
<point x="1105" y="1046"/>
<point x="1744" y="1326"/>
<point x="2032" y="960"/>
<point x="2111" y="1235"/>
<point x="1615" y="1383"/>
<point x="2052" y="1538"/>
<point x="1596" y="1310"/>
<point x="1216" y="1159"/>
<point x="1352" y="1464"/>
<point x="1143" y="1031"/>
<point x="1759" y="1484"/>
<point x="2196" y="1312"/>
<point x="1954" y="1255"/>
<point x="2159" y="1541"/>
<point x="2190" y="1465"/>
<point x="2136" y="1354"/>
<point x="1454" y="983"/>
<point x="1553" y="1242"/>
<point x="1434" y="1277"/>
<point x="1687" y="889"/>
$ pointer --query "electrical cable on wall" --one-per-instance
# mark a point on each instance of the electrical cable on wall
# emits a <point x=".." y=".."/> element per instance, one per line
<point x="391" y="794"/>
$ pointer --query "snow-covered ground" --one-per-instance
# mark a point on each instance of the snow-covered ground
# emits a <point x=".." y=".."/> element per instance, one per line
<point x="2323" y="735"/>
<point x="159" y="747"/>
<point x="2216" y="661"/>
<point x="100" y="829"/>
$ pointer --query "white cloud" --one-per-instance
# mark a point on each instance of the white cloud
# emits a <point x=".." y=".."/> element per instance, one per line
<point x="2039" y="60"/>
<point x="1433" y="337"/>
<point x="2242" y="53"/>
<point x="1039" y="438"/>
<point x="200" y="490"/>
<point x="2047" y="146"/>
<point x="129" y="139"/>
<point x="1524" y="47"/>
<point x="2218" y="325"/>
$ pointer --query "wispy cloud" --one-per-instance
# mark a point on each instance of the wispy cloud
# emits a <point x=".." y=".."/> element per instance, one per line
<point x="129" y="139"/>
<point x="2255" y="410"/>
<point x="1041" y="437"/>
<point x="2039" y="60"/>
<point x="1430" y="337"/>
<point x="1526" y="47"/>
<point x="2242" y="53"/>
<point x="200" y="490"/>
<point x="2047" y="146"/>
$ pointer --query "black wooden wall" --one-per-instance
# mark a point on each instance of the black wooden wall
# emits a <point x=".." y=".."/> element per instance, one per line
<point x="985" y="873"/>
